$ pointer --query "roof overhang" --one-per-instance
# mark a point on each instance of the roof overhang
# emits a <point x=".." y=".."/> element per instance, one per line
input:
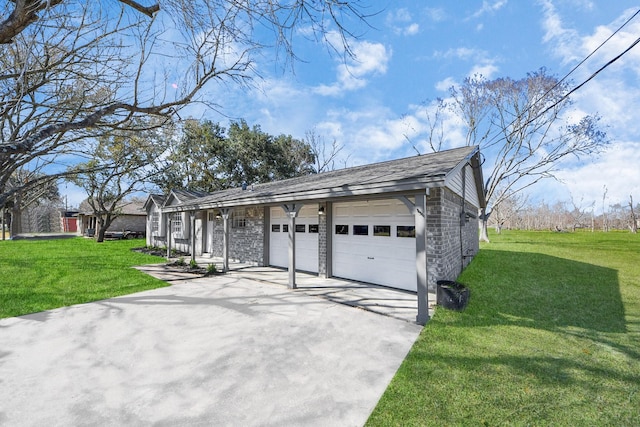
<point x="379" y="190"/>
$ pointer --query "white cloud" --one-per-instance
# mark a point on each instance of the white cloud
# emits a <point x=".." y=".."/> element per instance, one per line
<point x="564" y="40"/>
<point x="445" y="85"/>
<point x="369" y="59"/>
<point x="435" y="14"/>
<point x="616" y="169"/>
<point x="401" y="22"/>
<point x="488" y="7"/>
<point x="483" y="64"/>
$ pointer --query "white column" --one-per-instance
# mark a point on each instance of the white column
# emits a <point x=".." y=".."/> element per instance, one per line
<point x="192" y="217"/>
<point x="225" y="212"/>
<point x="420" y="214"/>
<point x="419" y="210"/>
<point x="292" y="211"/>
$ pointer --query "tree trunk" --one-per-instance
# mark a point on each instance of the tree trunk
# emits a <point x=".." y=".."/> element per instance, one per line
<point x="103" y="224"/>
<point x="16" y="215"/>
<point x="101" y="229"/>
<point x="484" y="235"/>
<point x="634" y="220"/>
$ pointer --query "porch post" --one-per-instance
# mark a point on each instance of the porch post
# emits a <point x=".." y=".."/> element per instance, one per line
<point x="421" y="259"/>
<point x="169" y="237"/>
<point x="192" y="217"/>
<point x="419" y="211"/>
<point x="225" y="212"/>
<point x="292" y="211"/>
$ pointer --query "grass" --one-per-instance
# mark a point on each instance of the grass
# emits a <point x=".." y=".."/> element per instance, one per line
<point x="551" y="336"/>
<point x="37" y="275"/>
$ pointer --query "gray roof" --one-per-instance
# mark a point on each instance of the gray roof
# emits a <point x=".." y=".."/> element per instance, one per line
<point x="125" y="207"/>
<point x="407" y="174"/>
<point x="157" y="199"/>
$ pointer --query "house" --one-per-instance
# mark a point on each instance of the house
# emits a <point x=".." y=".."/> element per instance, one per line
<point x="404" y="223"/>
<point x="68" y="221"/>
<point x="156" y="225"/>
<point x="131" y="217"/>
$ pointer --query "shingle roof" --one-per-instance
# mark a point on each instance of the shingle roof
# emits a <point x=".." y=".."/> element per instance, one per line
<point x="393" y="175"/>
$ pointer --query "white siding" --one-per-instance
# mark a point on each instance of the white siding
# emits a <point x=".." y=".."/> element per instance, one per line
<point x="455" y="184"/>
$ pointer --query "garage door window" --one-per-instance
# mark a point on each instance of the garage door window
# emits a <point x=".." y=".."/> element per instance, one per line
<point x="406" y="231"/>
<point x="342" y="229"/>
<point x="313" y="228"/>
<point x="360" y="230"/>
<point x="285" y="228"/>
<point x="382" y="230"/>
<point x="301" y="228"/>
<point x="275" y="228"/>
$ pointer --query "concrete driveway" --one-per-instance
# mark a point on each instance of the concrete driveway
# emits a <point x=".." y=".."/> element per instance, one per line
<point x="210" y="351"/>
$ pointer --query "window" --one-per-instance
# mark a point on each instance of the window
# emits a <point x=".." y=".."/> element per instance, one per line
<point x="176" y="222"/>
<point x="155" y="222"/>
<point x="239" y="219"/>
<point x="275" y="228"/>
<point x="382" y="230"/>
<point x="342" y="229"/>
<point x="360" y="230"/>
<point x="313" y="228"/>
<point x="406" y="231"/>
<point x="301" y="228"/>
<point x="285" y="228"/>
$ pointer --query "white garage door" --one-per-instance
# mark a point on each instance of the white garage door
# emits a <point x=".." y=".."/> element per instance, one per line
<point x="374" y="242"/>
<point x="306" y="238"/>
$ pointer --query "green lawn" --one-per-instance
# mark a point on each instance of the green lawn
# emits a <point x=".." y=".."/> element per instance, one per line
<point x="38" y="275"/>
<point x="551" y="336"/>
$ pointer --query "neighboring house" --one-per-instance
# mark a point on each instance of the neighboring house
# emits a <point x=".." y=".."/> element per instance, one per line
<point x="68" y="221"/>
<point x="404" y="223"/>
<point x="131" y="217"/>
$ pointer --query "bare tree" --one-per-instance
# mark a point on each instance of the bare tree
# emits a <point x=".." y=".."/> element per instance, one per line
<point x="605" y="223"/>
<point x="28" y="195"/>
<point x="577" y="214"/>
<point x="507" y="211"/>
<point x="634" y="220"/>
<point x="325" y="156"/>
<point x="518" y="126"/>
<point x="74" y="70"/>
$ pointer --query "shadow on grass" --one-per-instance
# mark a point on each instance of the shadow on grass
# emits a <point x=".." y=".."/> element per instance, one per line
<point x="542" y="291"/>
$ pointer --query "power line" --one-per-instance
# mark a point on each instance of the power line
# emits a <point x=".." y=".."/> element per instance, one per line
<point x="565" y="96"/>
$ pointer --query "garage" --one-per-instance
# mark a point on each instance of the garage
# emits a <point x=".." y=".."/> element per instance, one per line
<point x="374" y="241"/>
<point x="306" y="238"/>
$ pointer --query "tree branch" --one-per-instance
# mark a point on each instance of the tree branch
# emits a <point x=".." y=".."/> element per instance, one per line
<point x="24" y="14"/>
<point x="147" y="10"/>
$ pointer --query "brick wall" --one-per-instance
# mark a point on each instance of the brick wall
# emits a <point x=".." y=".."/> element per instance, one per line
<point x="129" y="222"/>
<point x="449" y="247"/>
<point x="246" y="244"/>
<point x="323" y="240"/>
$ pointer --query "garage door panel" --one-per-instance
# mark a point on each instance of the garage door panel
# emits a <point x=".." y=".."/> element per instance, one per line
<point x="385" y="260"/>
<point x="306" y="242"/>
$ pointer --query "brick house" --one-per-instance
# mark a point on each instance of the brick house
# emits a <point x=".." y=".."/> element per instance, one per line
<point x="131" y="217"/>
<point x="404" y="223"/>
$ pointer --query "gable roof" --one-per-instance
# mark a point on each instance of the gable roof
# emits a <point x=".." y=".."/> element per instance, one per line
<point x="156" y="199"/>
<point x="182" y="196"/>
<point x="402" y="175"/>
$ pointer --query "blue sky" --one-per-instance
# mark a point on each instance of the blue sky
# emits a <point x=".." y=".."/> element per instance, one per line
<point x="415" y="50"/>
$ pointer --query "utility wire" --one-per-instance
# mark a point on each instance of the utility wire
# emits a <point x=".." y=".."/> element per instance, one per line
<point x="571" y="71"/>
